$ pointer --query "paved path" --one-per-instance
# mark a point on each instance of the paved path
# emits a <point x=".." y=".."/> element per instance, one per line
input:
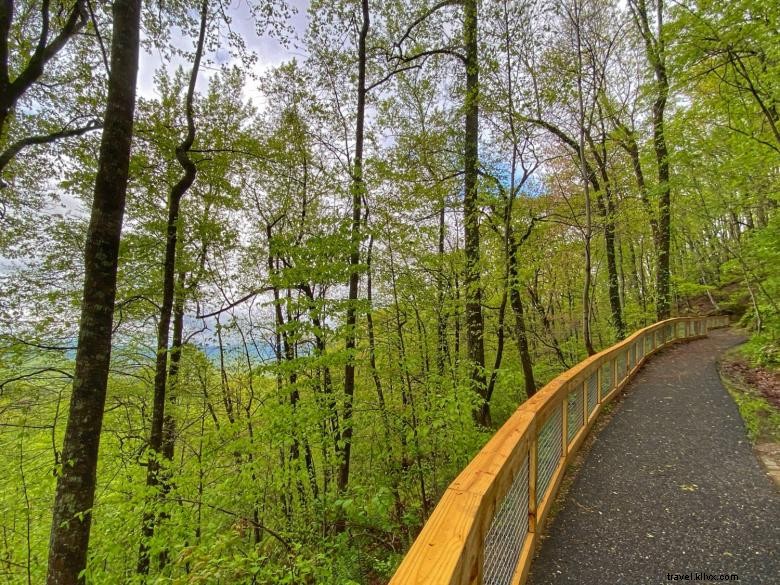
<point x="670" y="486"/>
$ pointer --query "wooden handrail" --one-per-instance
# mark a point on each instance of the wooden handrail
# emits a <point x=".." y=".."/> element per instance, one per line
<point x="450" y="549"/>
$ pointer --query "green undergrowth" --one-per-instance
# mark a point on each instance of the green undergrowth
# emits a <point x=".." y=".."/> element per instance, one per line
<point x="761" y="418"/>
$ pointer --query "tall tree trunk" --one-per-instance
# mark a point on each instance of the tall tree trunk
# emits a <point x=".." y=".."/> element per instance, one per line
<point x="606" y="207"/>
<point x="588" y="231"/>
<point x="169" y="271"/>
<point x="656" y="56"/>
<point x="358" y="191"/>
<point x="75" y="492"/>
<point x="664" y="198"/>
<point x="475" y="325"/>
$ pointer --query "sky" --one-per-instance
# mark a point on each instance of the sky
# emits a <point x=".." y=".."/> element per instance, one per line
<point x="271" y="52"/>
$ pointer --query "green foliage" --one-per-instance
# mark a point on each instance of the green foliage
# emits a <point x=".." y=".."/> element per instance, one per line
<point x="263" y="263"/>
<point x="762" y="420"/>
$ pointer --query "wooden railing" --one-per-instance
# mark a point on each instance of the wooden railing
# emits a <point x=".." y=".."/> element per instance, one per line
<point x="485" y="526"/>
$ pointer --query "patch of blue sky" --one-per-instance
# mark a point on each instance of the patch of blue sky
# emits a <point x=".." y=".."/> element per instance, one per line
<point x="533" y="186"/>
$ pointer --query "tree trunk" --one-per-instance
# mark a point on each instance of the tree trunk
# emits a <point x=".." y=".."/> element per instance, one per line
<point x="75" y="490"/>
<point x="656" y="56"/>
<point x="521" y="333"/>
<point x="358" y="191"/>
<point x="169" y="271"/>
<point x="388" y="432"/>
<point x="442" y="346"/>
<point x="606" y="206"/>
<point x="588" y="231"/>
<point x="475" y="326"/>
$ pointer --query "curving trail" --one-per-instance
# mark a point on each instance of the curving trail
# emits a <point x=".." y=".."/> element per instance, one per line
<point x="671" y="485"/>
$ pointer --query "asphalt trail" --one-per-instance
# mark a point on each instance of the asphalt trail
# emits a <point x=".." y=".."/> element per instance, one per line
<point x="671" y="485"/>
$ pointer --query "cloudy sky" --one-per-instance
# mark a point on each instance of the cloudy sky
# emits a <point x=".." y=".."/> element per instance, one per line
<point x="270" y="51"/>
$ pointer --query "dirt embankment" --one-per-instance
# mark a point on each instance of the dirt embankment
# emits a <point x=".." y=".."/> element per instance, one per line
<point x="763" y="381"/>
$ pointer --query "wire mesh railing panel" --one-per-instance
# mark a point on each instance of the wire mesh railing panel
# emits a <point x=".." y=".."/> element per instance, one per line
<point x="548" y="452"/>
<point x="574" y="416"/>
<point x="606" y="378"/>
<point x="504" y="540"/>
<point x="526" y="504"/>
<point x="593" y="392"/>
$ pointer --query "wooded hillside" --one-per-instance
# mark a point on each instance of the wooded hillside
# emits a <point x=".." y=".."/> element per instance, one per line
<point x="257" y="314"/>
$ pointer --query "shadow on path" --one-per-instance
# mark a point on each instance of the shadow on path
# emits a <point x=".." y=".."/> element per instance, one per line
<point x="671" y="485"/>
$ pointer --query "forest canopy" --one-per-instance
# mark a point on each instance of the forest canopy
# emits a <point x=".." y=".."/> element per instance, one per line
<point x="272" y="273"/>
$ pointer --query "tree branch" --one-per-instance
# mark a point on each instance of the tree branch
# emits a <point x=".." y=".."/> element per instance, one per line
<point x="9" y="153"/>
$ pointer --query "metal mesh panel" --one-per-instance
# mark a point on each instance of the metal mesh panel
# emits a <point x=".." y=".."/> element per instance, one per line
<point x="680" y="330"/>
<point x="548" y="452"/>
<point x="575" y="414"/>
<point x="630" y="354"/>
<point x="504" y="540"/>
<point x="640" y="347"/>
<point x="593" y="392"/>
<point x="621" y="366"/>
<point x="606" y="378"/>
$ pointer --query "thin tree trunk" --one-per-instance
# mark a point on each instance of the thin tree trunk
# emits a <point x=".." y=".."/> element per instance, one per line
<point x="606" y="206"/>
<point x="169" y="422"/>
<point x="358" y="191"/>
<point x="409" y="391"/>
<point x="169" y="271"/>
<point x="442" y="346"/>
<point x="536" y="301"/>
<point x="521" y="333"/>
<point x="588" y="232"/>
<point x="388" y="432"/>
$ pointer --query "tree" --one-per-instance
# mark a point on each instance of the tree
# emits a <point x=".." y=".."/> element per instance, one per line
<point x="156" y="438"/>
<point x="23" y="66"/>
<point x="76" y="480"/>
<point x="652" y="32"/>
